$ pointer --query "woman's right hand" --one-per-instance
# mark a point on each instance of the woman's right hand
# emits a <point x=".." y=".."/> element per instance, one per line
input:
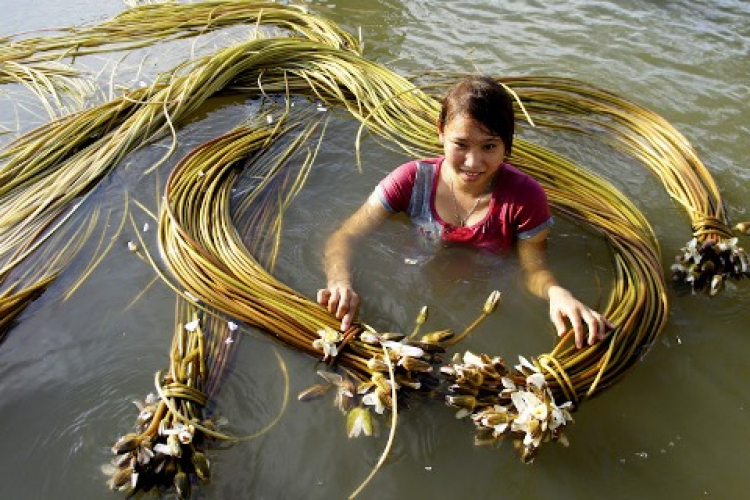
<point x="341" y="300"/>
<point x="339" y="297"/>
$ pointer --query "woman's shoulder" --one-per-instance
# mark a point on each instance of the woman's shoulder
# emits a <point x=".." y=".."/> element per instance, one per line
<point x="518" y="188"/>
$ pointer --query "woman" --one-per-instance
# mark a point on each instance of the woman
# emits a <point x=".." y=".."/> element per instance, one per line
<point x="470" y="196"/>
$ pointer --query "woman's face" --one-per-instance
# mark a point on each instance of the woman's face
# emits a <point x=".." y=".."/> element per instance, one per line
<point x="472" y="154"/>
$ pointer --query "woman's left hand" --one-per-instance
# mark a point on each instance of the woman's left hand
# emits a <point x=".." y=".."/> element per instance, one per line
<point x="563" y="305"/>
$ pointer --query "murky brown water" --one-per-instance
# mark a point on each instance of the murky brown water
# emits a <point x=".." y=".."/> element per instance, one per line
<point x="675" y="427"/>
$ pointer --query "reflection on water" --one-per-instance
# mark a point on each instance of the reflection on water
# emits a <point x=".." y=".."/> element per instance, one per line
<point x="69" y="370"/>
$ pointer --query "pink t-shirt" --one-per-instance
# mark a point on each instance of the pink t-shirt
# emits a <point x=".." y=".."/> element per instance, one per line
<point x="518" y="206"/>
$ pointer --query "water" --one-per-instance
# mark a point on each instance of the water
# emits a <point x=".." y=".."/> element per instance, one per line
<point x="675" y="427"/>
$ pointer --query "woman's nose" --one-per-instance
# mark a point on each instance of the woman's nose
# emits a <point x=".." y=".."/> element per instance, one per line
<point x="471" y="159"/>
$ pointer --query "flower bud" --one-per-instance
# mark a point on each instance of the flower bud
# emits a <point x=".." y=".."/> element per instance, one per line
<point x="422" y="316"/>
<point x="491" y="304"/>
<point x="126" y="443"/>
<point x="201" y="465"/>
<point x="415" y="365"/>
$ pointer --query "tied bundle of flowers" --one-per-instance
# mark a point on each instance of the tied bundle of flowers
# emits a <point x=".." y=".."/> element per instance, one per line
<point x="391" y="363"/>
<point x="707" y="266"/>
<point x="503" y="401"/>
<point x="161" y="453"/>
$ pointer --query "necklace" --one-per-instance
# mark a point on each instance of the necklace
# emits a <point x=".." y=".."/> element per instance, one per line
<point x="462" y="220"/>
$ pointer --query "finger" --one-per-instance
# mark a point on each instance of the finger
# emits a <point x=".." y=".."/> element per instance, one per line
<point x="343" y="304"/>
<point x="594" y="331"/>
<point x="333" y="302"/>
<point x="323" y="296"/>
<point x="346" y="322"/>
<point x="343" y="308"/>
<point x="604" y="326"/>
<point x="577" y="324"/>
<point x="348" y="307"/>
<point x="559" y="322"/>
<point x="592" y="325"/>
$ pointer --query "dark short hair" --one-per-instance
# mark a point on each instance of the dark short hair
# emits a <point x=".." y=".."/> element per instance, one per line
<point x="485" y="100"/>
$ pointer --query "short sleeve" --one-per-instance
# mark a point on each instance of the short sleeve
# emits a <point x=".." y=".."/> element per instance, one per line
<point x="533" y="214"/>
<point x="394" y="191"/>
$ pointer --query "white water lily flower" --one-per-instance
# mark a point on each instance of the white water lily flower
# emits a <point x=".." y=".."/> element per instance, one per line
<point x="164" y="449"/>
<point x="327" y="341"/>
<point x="185" y="437"/>
<point x="536" y="380"/>
<point x="540" y="412"/>
<point x="132" y="247"/>
<point x="726" y="245"/>
<point x="185" y="433"/>
<point x="558" y="419"/>
<point x="560" y="415"/>
<point x="232" y="326"/>
<point x="521" y="422"/>
<point x="333" y="378"/>
<point x="145" y="227"/>
<point x="191" y="326"/>
<point x="369" y="338"/>
<point x="144" y="416"/>
<point x="403" y="350"/>
<point x="525" y="363"/>
<point x="526" y="399"/>
<point x="508" y="383"/>
<point x="472" y="359"/>
<point x="691" y="251"/>
<point x="373" y="399"/>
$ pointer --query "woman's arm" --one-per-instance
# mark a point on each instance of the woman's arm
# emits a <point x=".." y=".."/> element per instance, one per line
<point x="540" y="281"/>
<point x="339" y="296"/>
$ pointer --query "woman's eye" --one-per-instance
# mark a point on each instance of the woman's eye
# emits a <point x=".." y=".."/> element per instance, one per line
<point x="490" y="147"/>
